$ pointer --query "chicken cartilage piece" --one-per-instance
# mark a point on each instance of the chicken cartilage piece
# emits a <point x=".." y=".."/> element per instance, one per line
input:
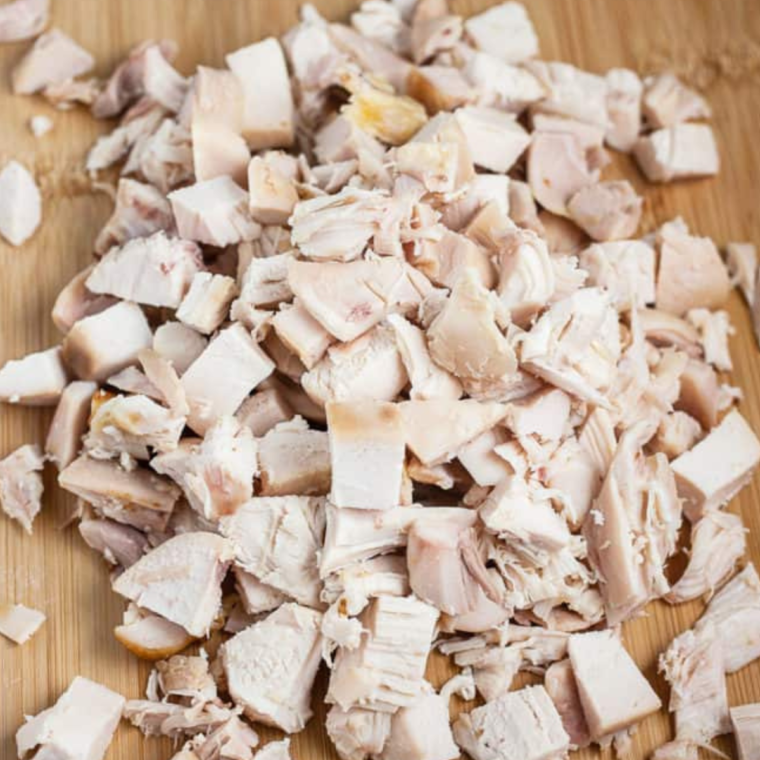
<point x="505" y="31"/>
<point x="21" y="484"/>
<point x="37" y="379"/>
<point x="745" y="721"/>
<point x="20" y="203"/>
<point x="80" y="724"/>
<point x="207" y="301"/>
<point x="23" y="19"/>
<point x="678" y="152"/>
<point x="19" y="623"/>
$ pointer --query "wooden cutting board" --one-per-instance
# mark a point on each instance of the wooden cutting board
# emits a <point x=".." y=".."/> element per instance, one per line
<point x="715" y="43"/>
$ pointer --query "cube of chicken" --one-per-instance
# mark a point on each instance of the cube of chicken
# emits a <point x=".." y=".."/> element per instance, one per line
<point x="667" y="101"/>
<point x="119" y="544"/>
<point x="20" y="204"/>
<point x="263" y="410"/>
<point x="214" y="212"/>
<point x="272" y="195"/>
<point x="480" y="460"/>
<point x="745" y="721"/>
<point x="80" y="724"/>
<point x="256" y="597"/>
<point x="268" y="113"/>
<point x="181" y="580"/>
<point x="718" y="467"/>
<point x="678" y="152"/>
<point x="607" y="210"/>
<point x="505" y="31"/>
<point x="367" y="447"/>
<point x="75" y="302"/>
<point x="21" y="485"/>
<point x="271" y="667"/>
<point x="357" y="733"/>
<point x="519" y="725"/>
<point x="495" y="139"/>
<point x="37" y="379"/>
<point x="624" y="88"/>
<point x="19" y="623"/>
<point x="560" y="684"/>
<point x="207" y="301"/>
<point x="23" y="19"/>
<point x="501" y="85"/>
<point x="439" y="88"/>
<point x="178" y="344"/>
<point x="151" y="637"/>
<point x="302" y="334"/>
<point x="741" y="260"/>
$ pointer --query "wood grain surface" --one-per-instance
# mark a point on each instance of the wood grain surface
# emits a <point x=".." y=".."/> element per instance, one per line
<point x="712" y="42"/>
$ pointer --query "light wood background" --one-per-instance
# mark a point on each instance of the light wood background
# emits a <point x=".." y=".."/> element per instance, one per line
<point x="713" y="42"/>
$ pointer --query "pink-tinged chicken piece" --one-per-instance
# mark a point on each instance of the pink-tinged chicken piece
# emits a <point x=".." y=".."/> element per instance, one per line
<point x="20" y="204"/>
<point x="443" y="259"/>
<point x="119" y="544"/>
<point x="559" y="682"/>
<point x="272" y="195"/>
<point x="668" y="101"/>
<point x="80" y="724"/>
<point x="519" y="725"/>
<point x="717" y="542"/>
<point x="718" y="467"/>
<point x="178" y="344"/>
<point x="151" y="637"/>
<point x="277" y="540"/>
<point x="21" y="485"/>
<point x="624" y="268"/>
<point x="678" y="152"/>
<point x="609" y="704"/>
<point x="271" y="667"/>
<point x="268" y="112"/>
<point x="102" y="344"/>
<point x="436" y="429"/>
<point x="624" y="88"/>
<point x="23" y="19"/>
<point x="356" y="733"/>
<point x="386" y="671"/>
<point x="19" y="623"/>
<point x="140" y="210"/>
<point x="156" y="271"/>
<point x="367" y="447"/>
<point x="741" y="260"/>
<point x="691" y="273"/>
<point x="607" y="210"/>
<point x="216" y="126"/>
<point x="433" y="30"/>
<point x="218" y="381"/>
<point x="745" y="722"/>
<point x="37" y="379"/>
<point x="69" y="423"/>
<point x="53" y="58"/>
<point x="207" y="301"/>
<point x="160" y="373"/>
<point x="504" y="31"/>
<point x="65" y="95"/>
<point x="214" y="212"/>
<point x="263" y="410"/>
<point x="137" y="497"/>
<point x="301" y="334"/>
<point x="181" y="580"/>
<point x="558" y="168"/>
<point x="74" y="302"/>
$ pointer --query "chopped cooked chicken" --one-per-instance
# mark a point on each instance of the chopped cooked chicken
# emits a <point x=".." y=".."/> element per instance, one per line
<point x="560" y="684"/>
<point x="19" y="623"/>
<point x="678" y="152"/>
<point x="181" y="676"/>
<point x="357" y="733"/>
<point x="276" y="539"/>
<point x="520" y="725"/>
<point x="609" y="705"/>
<point x="714" y="330"/>
<point x="207" y="301"/>
<point x="263" y="410"/>
<point x="53" y="58"/>
<point x="699" y="393"/>
<point x="745" y="721"/>
<point x="23" y="19"/>
<point x="178" y="344"/>
<point x="38" y="379"/>
<point x="301" y="334"/>
<point x="75" y="302"/>
<point x="607" y="210"/>
<point x="272" y="194"/>
<point x="624" y="88"/>
<point x="667" y="101"/>
<point x="496" y="141"/>
<point x="271" y="666"/>
<point x="275" y="751"/>
<point x="80" y="724"/>
<point x="21" y="485"/>
<point x="151" y="637"/>
<point x="64" y="95"/>
<point x="741" y="260"/>
<point x="677" y="433"/>
<point x="383" y="23"/>
<point x="504" y="31"/>
<point x="176" y="720"/>
<point x="100" y="345"/>
<point x="119" y="544"/>
<point x="232" y="739"/>
<point x="180" y="580"/>
<point x="20" y="204"/>
<point x="439" y="88"/>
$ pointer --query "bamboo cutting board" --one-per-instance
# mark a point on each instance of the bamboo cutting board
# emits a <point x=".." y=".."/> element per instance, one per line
<point x="715" y="43"/>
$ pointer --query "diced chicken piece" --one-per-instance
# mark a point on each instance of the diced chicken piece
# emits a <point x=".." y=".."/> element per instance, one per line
<point x="607" y="211"/>
<point x="276" y="540"/>
<point x="522" y="207"/>
<point x="263" y="410"/>
<point x="256" y="597"/>
<point x="140" y="211"/>
<point x="21" y="485"/>
<point x="667" y="102"/>
<point x="433" y="164"/>
<point x="275" y="751"/>
<point x="564" y="238"/>
<point x="217" y="123"/>
<point x="383" y="23"/>
<point x="75" y="302"/>
<point x="20" y="204"/>
<point x="156" y="271"/>
<point x="23" y="19"/>
<point x="558" y="168"/>
<point x="678" y="152"/>
<point x="442" y="260"/>
<point x="160" y="373"/>
<point x="19" y="623"/>
<point x="661" y="328"/>
<point x="437" y="429"/>
<point x="433" y="31"/>
<point x="207" y="301"/>
<point x="610" y="705"/>
<point x="741" y="260"/>
<point x="714" y="328"/>
<point x="181" y="676"/>
<point x="80" y="724"/>
<point x="519" y="725"/>
<point x="302" y="334"/>
<point x="505" y="31"/>
<point x="234" y="739"/>
<point x="218" y="381"/>
<point x="151" y="637"/>
<point x="165" y="157"/>
<point x="356" y="733"/>
<point x="481" y="461"/>
<point x="501" y="85"/>
<point x="102" y="344"/>
<point x="559" y="682"/>
<point x="294" y="460"/>
<point x="180" y="580"/>
<point x="745" y="721"/>
<point x="677" y="433"/>
<point x="176" y="720"/>
<point x="624" y="268"/>
<point x="265" y="281"/>
<point x="717" y="543"/>
<point x="386" y="670"/>
<point x="268" y="118"/>
<point x="137" y="497"/>
<point x="64" y="95"/>
<point x="341" y="140"/>
<point x="624" y="88"/>
<point x="272" y="195"/>
<point x="489" y="226"/>
<point x="718" y="467"/>
<point x="214" y="212"/>
<point x="53" y="58"/>
<point x="119" y="544"/>
<point x="271" y="667"/>
<point x="439" y="88"/>
<point x="178" y="344"/>
<point x="37" y="379"/>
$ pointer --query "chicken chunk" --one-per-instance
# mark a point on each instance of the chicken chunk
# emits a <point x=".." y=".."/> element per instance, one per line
<point x="745" y="721"/>
<point x="667" y="102"/>
<point x="272" y="195"/>
<point x="263" y="410"/>
<point x="496" y="141"/>
<point x="23" y="19"/>
<point x="21" y="485"/>
<point x="75" y="302"/>
<point x="19" y="623"/>
<point x="606" y="211"/>
<point x="560" y="684"/>
<point x="741" y="260"/>
<point x="38" y="379"/>
<point x="505" y="31"/>
<point x="178" y="344"/>
<point x="624" y="88"/>
<point x="20" y="204"/>
<point x="678" y="152"/>
<point x="357" y="733"/>
<point x="119" y="544"/>
<point x="151" y="637"/>
<point x="206" y="303"/>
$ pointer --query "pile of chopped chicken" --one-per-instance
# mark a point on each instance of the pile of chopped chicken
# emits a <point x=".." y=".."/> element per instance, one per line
<point x="370" y="360"/>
